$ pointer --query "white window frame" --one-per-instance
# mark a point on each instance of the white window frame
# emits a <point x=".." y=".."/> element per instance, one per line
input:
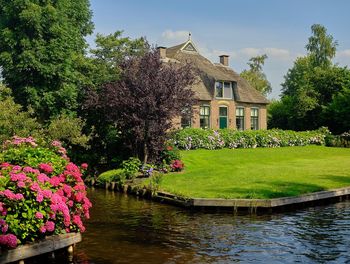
<point x="251" y="116"/>
<point x="223" y="90"/>
<point x="209" y="116"/>
<point x="241" y="116"/>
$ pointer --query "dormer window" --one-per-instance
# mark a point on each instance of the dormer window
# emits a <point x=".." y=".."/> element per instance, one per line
<point x="223" y="90"/>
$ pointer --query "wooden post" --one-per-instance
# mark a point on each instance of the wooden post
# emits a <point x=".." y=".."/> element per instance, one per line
<point x="70" y="251"/>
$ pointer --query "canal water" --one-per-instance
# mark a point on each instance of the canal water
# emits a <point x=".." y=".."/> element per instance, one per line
<point x="124" y="229"/>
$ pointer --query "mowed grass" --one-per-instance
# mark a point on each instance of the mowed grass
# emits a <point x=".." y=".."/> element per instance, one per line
<point x="259" y="173"/>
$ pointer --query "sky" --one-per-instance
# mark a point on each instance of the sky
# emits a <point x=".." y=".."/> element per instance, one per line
<point x="241" y="29"/>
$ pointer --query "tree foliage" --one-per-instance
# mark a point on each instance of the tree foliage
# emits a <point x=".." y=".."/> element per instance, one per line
<point x="109" y="53"/>
<point x="255" y="75"/>
<point x="321" y="47"/>
<point x="143" y="103"/>
<point x="14" y="121"/>
<point x="338" y="111"/>
<point x="41" y="49"/>
<point x="311" y="87"/>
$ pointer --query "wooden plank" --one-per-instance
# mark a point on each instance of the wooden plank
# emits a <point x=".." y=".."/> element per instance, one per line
<point x="231" y="202"/>
<point x="310" y="197"/>
<point x="50" y="244"/>
<point x="255" y="203"/>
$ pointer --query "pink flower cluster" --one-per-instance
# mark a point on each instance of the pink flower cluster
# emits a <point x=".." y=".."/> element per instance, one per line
<point x="60" y="149"/>
<point x="11" y="195"/>
<point x="46" y="168"/>
<point x="19" y="141"/>
<point x="58" y="201"/>
<point x="8" y="240"/>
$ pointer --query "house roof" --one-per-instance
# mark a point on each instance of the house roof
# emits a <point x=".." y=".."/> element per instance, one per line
<point x="210" y="72"/>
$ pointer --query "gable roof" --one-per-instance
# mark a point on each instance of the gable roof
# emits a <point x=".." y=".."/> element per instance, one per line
<point x="210" y="72"/>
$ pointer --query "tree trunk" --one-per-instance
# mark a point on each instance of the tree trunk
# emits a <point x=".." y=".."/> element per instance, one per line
<point x="145" y="140"/>
<point x="145" y="153"/>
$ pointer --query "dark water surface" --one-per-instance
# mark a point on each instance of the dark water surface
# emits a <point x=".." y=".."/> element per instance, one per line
<point x="123" y="229"/>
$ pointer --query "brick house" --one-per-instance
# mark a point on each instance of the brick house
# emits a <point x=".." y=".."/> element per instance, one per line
<point x="225" y="99"/>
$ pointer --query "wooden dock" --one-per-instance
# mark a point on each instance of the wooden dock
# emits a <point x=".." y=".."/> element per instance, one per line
<point x="267" y="204"/>
<point x="50" y="244"/>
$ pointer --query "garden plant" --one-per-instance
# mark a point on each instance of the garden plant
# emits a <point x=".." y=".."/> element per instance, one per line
<point x="42" y="193"/>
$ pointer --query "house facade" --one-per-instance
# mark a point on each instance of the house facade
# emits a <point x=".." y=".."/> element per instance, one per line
<point x="226" y="100"/>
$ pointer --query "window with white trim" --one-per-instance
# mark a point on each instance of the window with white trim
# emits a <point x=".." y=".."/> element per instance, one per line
<point x="254" y="118"/>
<point x="204" y="116"/>
<point x="240" y="118"/>
<point x="223" y="90"/>
<point x="186" y="117"/>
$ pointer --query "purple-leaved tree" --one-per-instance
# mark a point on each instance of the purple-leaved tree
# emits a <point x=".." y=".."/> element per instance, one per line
<point x="144" y="102"/>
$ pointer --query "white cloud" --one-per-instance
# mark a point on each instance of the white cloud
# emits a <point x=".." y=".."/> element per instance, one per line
<point x="343" y="53"/>
<point x="276" y="53"/>
<point x="177" y="36"/>
<point x="250" y="52"/>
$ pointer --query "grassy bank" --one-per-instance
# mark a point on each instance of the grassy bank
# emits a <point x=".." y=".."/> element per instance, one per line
<point x="260" y="173"/>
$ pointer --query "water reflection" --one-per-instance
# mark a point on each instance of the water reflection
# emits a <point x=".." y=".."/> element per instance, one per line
<point x="124" y="229"/>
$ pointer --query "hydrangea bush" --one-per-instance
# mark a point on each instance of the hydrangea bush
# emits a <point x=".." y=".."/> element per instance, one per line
<point x="194" y="138"/>
<point x="342" y="140"/>
<point x="41" y="192"/>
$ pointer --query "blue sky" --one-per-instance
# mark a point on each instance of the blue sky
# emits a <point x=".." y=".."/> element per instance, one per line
<point x="241" y="29"/>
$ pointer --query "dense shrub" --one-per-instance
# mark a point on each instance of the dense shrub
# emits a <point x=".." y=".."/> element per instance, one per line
<point x="41" y="192"/>
<point x="192" y="138"/>
<point x="117" y="175"/>
<point x="169" y="154"/>
<point x="131" y="166"/>
<point x="13" y="120"/>
<point x="342" y="140"/>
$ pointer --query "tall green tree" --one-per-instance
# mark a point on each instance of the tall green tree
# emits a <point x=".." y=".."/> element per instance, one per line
<point x="321" y="47"/>
<point x="255" y="75"/>
<point x="42" y="48"/>
<point x="109" y="53"/>
<point x="311" y="86"/>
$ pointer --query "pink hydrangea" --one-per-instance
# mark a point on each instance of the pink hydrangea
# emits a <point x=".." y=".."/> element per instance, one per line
<point x="39" y="215"/>
<point x="42" y="229"/>
<point x="18" y="176"/>
<point x="50" y="226"/>
<point x="84" y="166"/>
<point x="4" y="228"/>
<point x="21" y="184"/>
<point x="11" y="195"/>
<point x="56" y="143"/>
<point x="16" y="168"/>
<point x="35" y="187"/>
<point x="79" y="196"/>
<point x="30" y="170"/>
<point x="55" y="181"/>
<point x="46" y="193"/>
<point x="5" y="165"/>
<point x="70" y="203"/>
<point x="8" y="240"/>
<point x="42" y="178"/>
<point x="67" y="189"/>
<point x="46" y="168"/>
<point x="39" y="197"/>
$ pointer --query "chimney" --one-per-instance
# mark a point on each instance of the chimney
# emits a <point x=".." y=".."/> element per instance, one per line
<point x="224" y="60"/>
<point x="162" y="52"/>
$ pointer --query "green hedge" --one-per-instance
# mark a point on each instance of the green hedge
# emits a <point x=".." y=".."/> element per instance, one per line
<point x="195" y="138"/>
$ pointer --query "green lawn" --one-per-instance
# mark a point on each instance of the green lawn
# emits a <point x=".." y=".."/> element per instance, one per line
<point x="259" y="173"/>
